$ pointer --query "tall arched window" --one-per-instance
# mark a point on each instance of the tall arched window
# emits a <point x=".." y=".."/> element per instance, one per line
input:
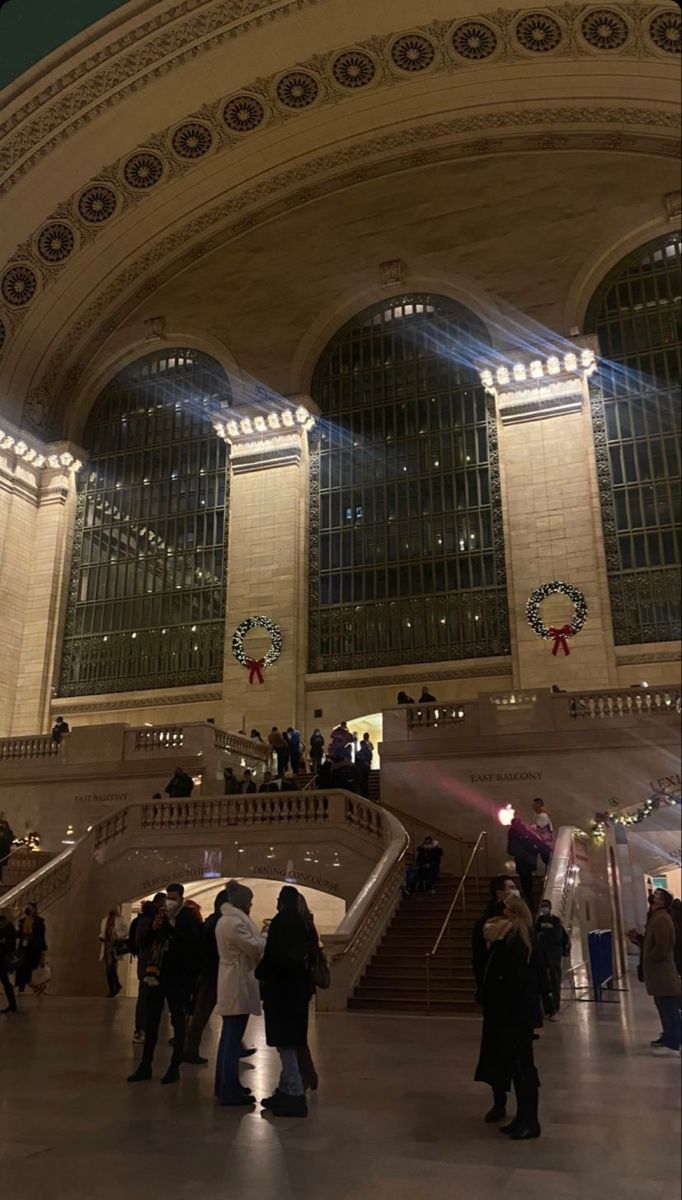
<point x="147" y="591"/>
<point x="636" y="417"/>
<point x="407" y="555"/>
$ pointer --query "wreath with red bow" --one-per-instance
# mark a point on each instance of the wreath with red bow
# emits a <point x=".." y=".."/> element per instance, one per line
<point x="560" y="633"/>
<point x="256" y="666"/>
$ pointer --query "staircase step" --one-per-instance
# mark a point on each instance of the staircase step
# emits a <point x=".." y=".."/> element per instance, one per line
<point x="361" y="1004"/>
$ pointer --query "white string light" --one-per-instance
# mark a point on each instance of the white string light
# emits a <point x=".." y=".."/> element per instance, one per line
<point x="573" y="362"/>
<point x="30" y="455"/>
<point x="247" y="426"/>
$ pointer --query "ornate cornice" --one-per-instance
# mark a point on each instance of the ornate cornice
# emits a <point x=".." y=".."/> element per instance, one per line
<point x="65" y="704"/>
<point x="496" y="39"/>
<point x="129" y="63"/>
<point x="244" y="209"/>
<point x="407" y="676"/>
<point x="648" y="656"/>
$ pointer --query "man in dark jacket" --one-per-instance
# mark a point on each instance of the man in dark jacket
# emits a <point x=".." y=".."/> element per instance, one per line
<point x="171" y="940"/>
<point x="554" y="942"/>
<point x="180" y="785"/>
<point x="208" y="982"/>
<point x="8" y="942"/>
<point x="522" y="848"/>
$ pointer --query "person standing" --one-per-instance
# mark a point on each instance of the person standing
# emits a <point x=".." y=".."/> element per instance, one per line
<point x="284" y="974"/>
<point x="426" y="696"/>
<point x="542" y="831"/>
<point x="113" y="939"/>
<point x="143" y="920"/>
<point x="269" y="784"/>
<point x="248" y="784"/>
<point x="279" y="745"/>
<point x="316" y="750"/>
<point x="60" y="729"/>
<point x="429" y="858"/>
<point x="340" y="741"/>
<point x="363" y="761"/>
<point x="554" y="942"/>
<point x="8" y="942"/>
<point x="230" y="781"/>
<point x="207" y="988"/>
<point x="306" y="1066"/>
<point x="295" y="748"/>
<point x="31" y="944"/>
<point x="171" y="943"/>
<point x="509" y="997"/>
<point x="661" y="977"/>
<point x="6" y="839"/>
<point x="403" y="698"/>
<point x="180" y="786"/>
<point x="522" y="848"/>
<point x="240" y="948"/>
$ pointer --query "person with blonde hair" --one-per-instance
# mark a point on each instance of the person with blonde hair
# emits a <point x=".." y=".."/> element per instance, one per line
<point x="511" y="1012"/>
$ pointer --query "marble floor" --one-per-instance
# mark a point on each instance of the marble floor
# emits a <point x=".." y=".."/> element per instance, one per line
<point x="397" y="1116"/>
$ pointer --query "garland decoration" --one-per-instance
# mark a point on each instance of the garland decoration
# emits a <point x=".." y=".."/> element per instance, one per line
<point x="256" y="666"/>
<point x="670" y="795"/>
<point x="560" y="633"/>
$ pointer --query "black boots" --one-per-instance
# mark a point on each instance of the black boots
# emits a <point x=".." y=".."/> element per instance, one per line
<point x="499" y="1109"/>
<point x="525" y="1124"/>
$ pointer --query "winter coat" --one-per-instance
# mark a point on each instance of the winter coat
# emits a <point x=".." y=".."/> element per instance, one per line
<point x="33" y="946"/>
<point x="479" y="946"/>
<point x="520" y="844"/>
<point x="240" y="948"/>
<point x="510" y="1000"/>
<point x="119" y="933"/>
<point x="658" y="962"/>
<point x="180" y="787"/>
<point x="285" y="978"/>
<point x="182" y="958"/>
<point x="8" y="941"/>
<point x="552" y="938"/>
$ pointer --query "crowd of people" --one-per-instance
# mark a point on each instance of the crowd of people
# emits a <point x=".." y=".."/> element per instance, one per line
<point x="224" y="964"/>
<point x="344" y="760"/>
<point x="22" y="953"/>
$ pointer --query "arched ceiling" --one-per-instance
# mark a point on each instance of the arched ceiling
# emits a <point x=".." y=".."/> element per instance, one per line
<point x="30" y="30"/>
<point x="143" y="172"/>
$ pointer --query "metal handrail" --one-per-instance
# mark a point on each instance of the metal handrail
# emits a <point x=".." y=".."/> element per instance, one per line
<point x="480" y="840"/>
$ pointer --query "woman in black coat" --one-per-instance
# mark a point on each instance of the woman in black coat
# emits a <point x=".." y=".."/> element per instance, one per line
<point x="285" y="978"/>
<point x="511" y="1012"/>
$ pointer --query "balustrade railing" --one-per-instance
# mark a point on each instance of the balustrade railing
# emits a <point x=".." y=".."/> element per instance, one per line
<point x="235" y="743"/>
<point x="160" y="737"/>
<point x="646" y="701"/>
<point x="433" y="716"/>
<point x="33" y="746"/>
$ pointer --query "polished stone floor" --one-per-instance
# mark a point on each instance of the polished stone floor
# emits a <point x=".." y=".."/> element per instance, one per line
<point x="397" y="1116"/>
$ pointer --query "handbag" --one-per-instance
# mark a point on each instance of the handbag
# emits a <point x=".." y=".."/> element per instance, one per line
<point x="320" y="972"/>
<point x="121" y="947"/>
<point x="41" y="976"/>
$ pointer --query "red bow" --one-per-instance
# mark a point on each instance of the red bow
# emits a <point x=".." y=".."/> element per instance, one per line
<point x="254" y="667"/>
<point x="560" y="636"/>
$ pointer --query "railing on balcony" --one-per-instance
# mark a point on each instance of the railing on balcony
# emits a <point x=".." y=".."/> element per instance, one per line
<point x="159" y="737"/>
<point x="33" y="746"/>
<point x="235" y="743"/>
<point x="431" y="716"/>
<point x="624" y="703"/>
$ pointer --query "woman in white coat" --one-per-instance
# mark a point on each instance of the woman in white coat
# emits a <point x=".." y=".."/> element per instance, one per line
<point x="240" y="949"/>
<point x="113" y="933"/>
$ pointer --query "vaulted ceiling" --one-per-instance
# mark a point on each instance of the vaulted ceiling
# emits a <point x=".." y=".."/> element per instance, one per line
<point x="241" y="169"/>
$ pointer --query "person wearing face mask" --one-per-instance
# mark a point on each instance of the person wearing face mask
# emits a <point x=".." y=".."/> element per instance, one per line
<point x="171" y="943"/>
<point x="555" y="944"/>
<point x="31" y="944"/>
<point x="509" y="996"/>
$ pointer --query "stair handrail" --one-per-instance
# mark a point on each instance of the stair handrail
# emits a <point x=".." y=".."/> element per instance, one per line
<point x="413" y="819"/>
<point x="480" y="841"/>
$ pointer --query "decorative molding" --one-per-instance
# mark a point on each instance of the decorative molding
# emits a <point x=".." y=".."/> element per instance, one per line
<point x="673" y="206"/>
<point x="408" y="675"/>
<point x="654" y="656"/>
<point x="392" y="274"/>
<point x="521" y="35"/>
<point x="381" y="155"/>
<point x="65" y="704"/>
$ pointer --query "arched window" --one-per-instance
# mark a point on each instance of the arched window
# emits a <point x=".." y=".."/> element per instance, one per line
<point x="406" y="552"/>
<point x="147" y="590"/>
<point x="636" y="417"/>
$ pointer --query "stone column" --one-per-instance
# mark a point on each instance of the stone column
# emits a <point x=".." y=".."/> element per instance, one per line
<point x="552" y="519"/>
<point x="18" y="507"/>
<point x="267" y="576"/>
<point x="38" y="664"/>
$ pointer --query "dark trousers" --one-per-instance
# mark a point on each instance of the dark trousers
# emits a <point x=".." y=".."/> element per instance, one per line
<point x="6" y="984"/>
<point x="140" y="1007"/>
<point x="173" y="993"/>
<point x="363" y="771"/>
<point x="227" y="1084"/>
<point x="25" y="968"/>
<point x="295" y="756"/>
<point x="669" y="1012"/>
<point x="282" y="760"/>
<point x="555" y="975"/>
<point x="524" y="870"/>
<point x="525" y="1079"/>
<point x="306" y="1067"/>
<point x="113" y="981"/>
<point x="203" y="1007"/>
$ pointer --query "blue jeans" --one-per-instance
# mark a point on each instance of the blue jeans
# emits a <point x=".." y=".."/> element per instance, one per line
<point x="227" y="1085"/>
<point x="290" y="1082"/>
<point x="669" y="1012"/>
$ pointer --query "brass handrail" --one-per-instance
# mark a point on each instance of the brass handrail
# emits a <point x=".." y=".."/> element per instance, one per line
<point x="482" y="837"/>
